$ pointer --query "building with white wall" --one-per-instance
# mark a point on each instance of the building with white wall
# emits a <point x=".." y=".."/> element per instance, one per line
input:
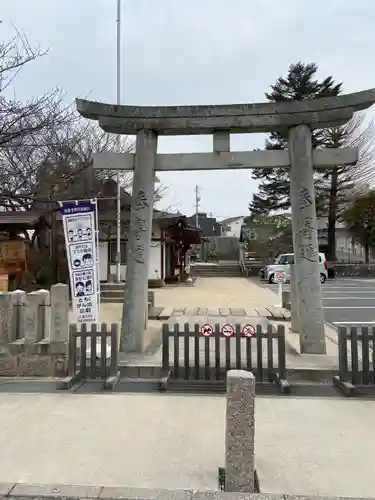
<point x="347" y="250"/>
<point x="157" y="256"/>
<point x="171" y="239"/>
<point x="232" y="226"/>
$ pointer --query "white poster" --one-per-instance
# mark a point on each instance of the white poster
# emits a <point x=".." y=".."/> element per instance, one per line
<point x="81" y="249"/>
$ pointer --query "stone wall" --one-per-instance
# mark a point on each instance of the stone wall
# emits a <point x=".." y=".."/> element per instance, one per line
<point x="353" y="270"/>
<point x="34" y="332"/>
<point x="220" y="248"/>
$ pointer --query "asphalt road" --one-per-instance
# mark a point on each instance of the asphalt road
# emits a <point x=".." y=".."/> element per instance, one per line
<point x="346" y="300"/>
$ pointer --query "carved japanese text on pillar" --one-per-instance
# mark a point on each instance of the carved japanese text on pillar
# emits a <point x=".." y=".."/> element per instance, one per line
<point x="141" y="200"/>
<point x="138" y="251"/>
<point x="305" y="199"/>
<point x="306" y="249"/>
<point x="140" y="224"/>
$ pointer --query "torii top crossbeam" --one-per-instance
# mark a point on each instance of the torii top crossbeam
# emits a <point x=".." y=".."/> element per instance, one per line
<point x="236" y="118"/>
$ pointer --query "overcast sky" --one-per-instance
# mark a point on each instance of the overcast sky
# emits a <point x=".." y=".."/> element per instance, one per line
<point x="178" y="52"/>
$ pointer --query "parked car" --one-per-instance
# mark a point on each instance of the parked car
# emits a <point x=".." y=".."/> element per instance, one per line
<point x="283" y="263"/>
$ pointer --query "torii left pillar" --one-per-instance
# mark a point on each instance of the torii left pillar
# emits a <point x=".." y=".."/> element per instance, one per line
<point x="134" y="315"/>
<point x="305" y="242"/>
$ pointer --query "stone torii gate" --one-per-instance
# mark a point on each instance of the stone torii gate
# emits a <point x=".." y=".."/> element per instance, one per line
<point x="299" y="118"/>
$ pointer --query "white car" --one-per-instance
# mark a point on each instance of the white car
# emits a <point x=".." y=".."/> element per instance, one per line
<point x="283" y="263"/>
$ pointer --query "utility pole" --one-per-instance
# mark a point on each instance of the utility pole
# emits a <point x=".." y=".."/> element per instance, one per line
<point x="118" y="144"/>
<point x="197" y="200"/>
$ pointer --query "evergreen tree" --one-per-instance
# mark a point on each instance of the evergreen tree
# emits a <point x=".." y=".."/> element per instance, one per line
<point x="359" y="217"/>
<point x="300" y="83"/>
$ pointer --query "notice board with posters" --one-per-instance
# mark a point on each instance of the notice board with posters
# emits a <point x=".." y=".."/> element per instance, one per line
<point x="12" y="256"/>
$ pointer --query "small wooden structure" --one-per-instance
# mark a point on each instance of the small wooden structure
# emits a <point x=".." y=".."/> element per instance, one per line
<point x="178" y="237"/>
<point x="15" y="246"/>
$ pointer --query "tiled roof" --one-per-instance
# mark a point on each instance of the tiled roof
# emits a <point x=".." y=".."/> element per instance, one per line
<point x="28" y="219"/>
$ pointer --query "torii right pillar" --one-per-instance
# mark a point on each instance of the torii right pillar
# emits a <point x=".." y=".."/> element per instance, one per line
<point x="305" y="242"/>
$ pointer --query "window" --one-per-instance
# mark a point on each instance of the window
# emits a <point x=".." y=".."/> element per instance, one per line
<point x="113" y="251"/>
<point x="289" y="259"/>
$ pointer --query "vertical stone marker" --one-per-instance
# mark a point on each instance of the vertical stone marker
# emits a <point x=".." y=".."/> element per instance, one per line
<point x="136" y="283"/>
<point x="59" y="313"/>
<point x="37" y="316"/>
<point x="305" y="242"/>
<point x="240" y="432"/>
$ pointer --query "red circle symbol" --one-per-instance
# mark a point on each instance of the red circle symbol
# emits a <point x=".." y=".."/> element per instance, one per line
<point x="280" y="276"/>
<point x="227" y="330"/>
<point x="207" y="330"/>
<point x="248" y="331"/>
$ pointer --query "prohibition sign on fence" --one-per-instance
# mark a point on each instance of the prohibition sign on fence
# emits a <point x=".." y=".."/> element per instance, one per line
<point x="248" y="331"/>
<point x="227" y="330"/>
<point x="207" y="330"/>
<point x="280" y="276"/>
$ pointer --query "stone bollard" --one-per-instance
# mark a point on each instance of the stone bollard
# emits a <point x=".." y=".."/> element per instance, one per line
<point x="240" y="431"/>
<point x="37" y="318"/>
<point x="294" y="325"/>
<point x="59" y="331"/>
<point x="285" y="298"/>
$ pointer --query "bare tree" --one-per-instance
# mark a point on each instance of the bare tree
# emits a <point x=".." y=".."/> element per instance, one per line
<point x="336" y="186"/>
<point x="46" y="149"/>
<point x="20" y="120"/>
<point x="56" y="164"/>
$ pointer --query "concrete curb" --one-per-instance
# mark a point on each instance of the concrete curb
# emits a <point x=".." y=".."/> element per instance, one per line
<point x="37" y="491"/>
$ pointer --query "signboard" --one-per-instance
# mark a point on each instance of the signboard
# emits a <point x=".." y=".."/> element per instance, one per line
<point x="248" y="331"/>
<point x="3" y="283"/>
<point x="81" y="251"/>
<point x="12" y="256"/>
<point x="280" y="277"/>
<point x="207" y="330"/>
<point x="227" y="330"/>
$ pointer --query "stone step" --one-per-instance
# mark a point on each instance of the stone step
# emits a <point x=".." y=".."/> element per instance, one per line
<point x="112" y="293"/>
<point x="112" y="286"/>
<point x="209" y="274"/>
<point x="111" y="300"/>
<point x="215" y="267"/>
<point x="215" y="271"/>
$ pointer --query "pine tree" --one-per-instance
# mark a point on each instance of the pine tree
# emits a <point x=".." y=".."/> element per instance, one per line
<point x="359" y="217"/>
<point x="300" y="83"/>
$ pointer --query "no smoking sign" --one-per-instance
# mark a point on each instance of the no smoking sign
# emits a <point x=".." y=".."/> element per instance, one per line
<point x="227" y="331"/>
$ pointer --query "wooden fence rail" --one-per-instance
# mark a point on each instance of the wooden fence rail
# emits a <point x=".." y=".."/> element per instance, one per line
<point x="83" y="360"/>
<point x="356" y="360"/>
<point x="191" y="359"/>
